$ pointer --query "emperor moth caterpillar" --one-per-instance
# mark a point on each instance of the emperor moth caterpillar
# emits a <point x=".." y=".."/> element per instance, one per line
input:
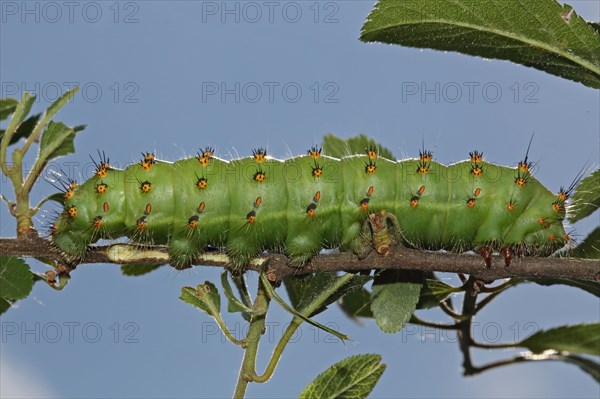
<point x="306" y="203"/>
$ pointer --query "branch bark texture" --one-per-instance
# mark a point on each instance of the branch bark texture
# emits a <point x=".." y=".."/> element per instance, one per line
<point x="277" y="266"/>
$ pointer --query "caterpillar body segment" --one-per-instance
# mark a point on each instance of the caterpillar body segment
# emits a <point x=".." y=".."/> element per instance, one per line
<point x="306" y="203"/>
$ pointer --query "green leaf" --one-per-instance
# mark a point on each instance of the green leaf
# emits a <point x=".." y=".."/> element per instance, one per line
<point x="297" y="287"/>
<point x="57" y="140"/>
<point x="4" y="305"/>
<point x="139" y="269"/>
<point x="304" y="292"/>
<point x="590" y="247"/>
<point x="590" y="286"/>
<point x="16" y="280"/>
<point x="586" y="198"/>
<point x="542" y="34"/>
<point x="433" y="292"/>
<point x="233" y="304"/>
<point x="581" y="338"/>
<point x="79" y="128"/>
<point x="354" y="377"/>
<point x="300" y="315"/>
<point x="357" y="303"/>
<point x="25" y="129"/>
<point x="205" y="297"/>
<point x="59" y="103"/>
<point x="587" y="365"/>
<point x="19" y="115"/>
<point x="394" y="300"/>
<point x="337" y="147"/>
<point x="7" y="107"/>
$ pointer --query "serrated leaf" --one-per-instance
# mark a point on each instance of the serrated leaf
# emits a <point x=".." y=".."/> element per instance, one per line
<point x="139" y="269"/>
<point x="357" y="303"/>
<point x="233" y="304"/>
<point x="4" y="305"/>
<point x="337" y="147"/>
<point x="57" y="140"/>
<point x="542" y="34"/>
<point x="304" y="291"/>
<point x="205" y="297"/>
<point x="393" y="300"/>
<point x="590" y="286"/>
<point x="586" y="198"/>
<point x="588" y="248"/>
<point x="354" y="377"/>
<point x="587" y="365"/>
<point x="16" y="280"/>
<point x="581" y="338"/>
<point x="7" y="107"/>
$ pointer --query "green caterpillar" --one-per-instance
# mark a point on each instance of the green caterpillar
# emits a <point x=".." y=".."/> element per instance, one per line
<point x="306" y="203"/>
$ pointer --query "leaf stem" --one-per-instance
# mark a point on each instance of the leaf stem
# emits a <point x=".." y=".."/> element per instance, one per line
<point x="295" y="323"/>
<point x="248" y="370"/>
<point x="226" y="331"/>
<point x="415" y="320"/>
<point x="278" y="351"/>
<point x="494" y="346"/>
<point x="495" y="291"/>
<point x="257" y="324"/>
<point x="518" y="359"/>
<point x="508" y="283"/>
<point x="451" y="312"/>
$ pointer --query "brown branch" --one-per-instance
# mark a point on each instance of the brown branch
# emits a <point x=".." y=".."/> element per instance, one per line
<point x="465" y="339"/>
<point x="278" y="266"/>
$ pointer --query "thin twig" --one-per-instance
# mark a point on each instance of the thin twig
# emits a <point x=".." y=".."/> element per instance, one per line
<point x="525" y="357"/>
<point x="451" y="312"/>
<point x="465" y="339"/>
<point x="255" y="330"/>
<point x="415" y="320"/>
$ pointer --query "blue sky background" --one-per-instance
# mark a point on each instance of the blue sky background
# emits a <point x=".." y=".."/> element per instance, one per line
<point x="146" y="69"/>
